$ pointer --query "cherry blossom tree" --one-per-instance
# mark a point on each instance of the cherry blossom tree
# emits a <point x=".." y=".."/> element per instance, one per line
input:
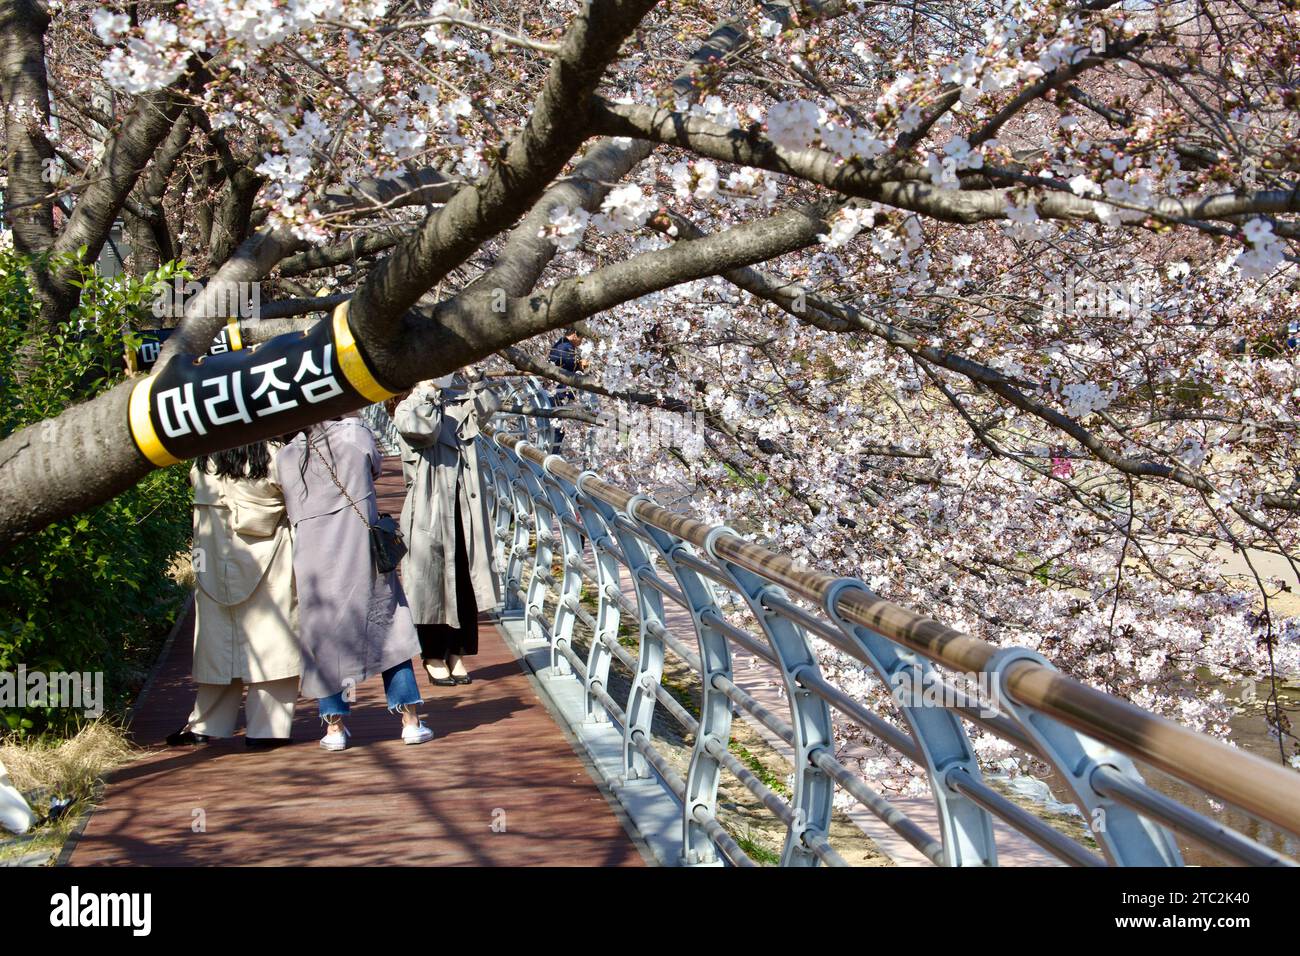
<point x="985" y="302"/>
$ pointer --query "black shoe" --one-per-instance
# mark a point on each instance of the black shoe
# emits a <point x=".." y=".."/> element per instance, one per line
<point x="186" y="738"/>
<point x="438" y="681"/>
<point x="266" y="743"/>
<point x="462" y="680"/>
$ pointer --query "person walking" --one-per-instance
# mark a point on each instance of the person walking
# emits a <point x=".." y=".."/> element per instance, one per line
<point x="564" y="356"/>
<point x="245" y="611"/>
<point x="564" y="353"/>
<point x="448" y="570"/>
<point x="355" y="621"/>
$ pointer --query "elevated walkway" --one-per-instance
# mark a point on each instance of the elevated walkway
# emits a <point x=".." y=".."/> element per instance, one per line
<point x="500" y="785"/>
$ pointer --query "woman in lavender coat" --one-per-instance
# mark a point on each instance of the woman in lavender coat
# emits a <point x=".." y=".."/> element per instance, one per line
<point x="354" y="622"/>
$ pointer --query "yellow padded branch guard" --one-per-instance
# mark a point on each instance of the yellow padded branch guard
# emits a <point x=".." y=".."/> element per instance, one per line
<point x="142" y="430"/>
<point x="351" y="363"/>
<point x="198" y="421"/>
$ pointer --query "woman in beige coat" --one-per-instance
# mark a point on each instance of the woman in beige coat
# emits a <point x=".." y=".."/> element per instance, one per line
<point x="245" y="611"/>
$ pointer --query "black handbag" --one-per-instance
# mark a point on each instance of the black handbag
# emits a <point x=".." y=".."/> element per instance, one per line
<point x="387" y="545"/>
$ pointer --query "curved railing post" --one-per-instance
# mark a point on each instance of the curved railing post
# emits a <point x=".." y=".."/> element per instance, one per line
<point x="1126" y="837"/>
<point x="596" y="517"/>
<point x="967" y="828"/>
<point x="544" y="427"/>
<point x="650" y="650"/>
<point x="559" y="494"/>
<point x="544" y="523"/>
<point x="503" y="534"/>
<point x="500" y="508"/>
<point x="814" y="791"/>
<point x="521" y="510"/>
<point x="533" y="500"/>
<point x="714" y="731"/>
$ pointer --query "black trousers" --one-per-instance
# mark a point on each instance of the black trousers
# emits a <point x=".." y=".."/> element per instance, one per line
<point x="440" y="641"/>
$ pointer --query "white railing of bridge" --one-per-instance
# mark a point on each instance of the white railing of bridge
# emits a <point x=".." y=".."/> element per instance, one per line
<point x="1090" y="739"/>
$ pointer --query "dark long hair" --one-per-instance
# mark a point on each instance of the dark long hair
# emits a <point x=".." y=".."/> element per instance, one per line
<point x="307" y="437"/>
<point x="246" y="461"/>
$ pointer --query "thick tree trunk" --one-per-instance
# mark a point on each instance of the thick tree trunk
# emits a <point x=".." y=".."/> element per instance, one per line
<point x="68" y="464"/>
<point x="202" y="184"/>
<point x="90" y="455"/>
<point x="153" y="241"/>
<point x="145" y="253"/>
<point x="29" y="159"/>
<point x="115" y="175"/>
<point x="29" y="209"/>
<point x="232" y="222"/>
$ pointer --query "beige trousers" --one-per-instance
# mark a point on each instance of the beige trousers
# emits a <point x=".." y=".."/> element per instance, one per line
<point x="269" y="708"/>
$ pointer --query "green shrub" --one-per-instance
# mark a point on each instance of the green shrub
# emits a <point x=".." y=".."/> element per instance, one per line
<point x="91" y="592"/>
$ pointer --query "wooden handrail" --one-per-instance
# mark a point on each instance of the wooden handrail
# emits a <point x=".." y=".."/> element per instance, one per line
<point x="1267" y="790"/>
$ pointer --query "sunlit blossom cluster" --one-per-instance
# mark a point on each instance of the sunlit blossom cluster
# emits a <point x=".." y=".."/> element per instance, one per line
<point x="848" y="442"/>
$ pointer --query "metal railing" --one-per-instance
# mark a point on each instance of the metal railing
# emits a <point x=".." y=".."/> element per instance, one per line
<point x="378" y="421"/>
<point x="1089" y="739"/>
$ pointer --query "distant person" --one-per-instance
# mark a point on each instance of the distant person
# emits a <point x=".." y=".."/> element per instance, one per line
<point x="355" y="622"/>
<point x="448" y="571"/>
<point x="245" y="611"/>
<point x="564" y="355"/>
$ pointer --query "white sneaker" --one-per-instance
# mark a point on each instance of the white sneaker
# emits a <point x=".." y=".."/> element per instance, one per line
<point x="336" y="739"/>
<point x="419" y="734"/>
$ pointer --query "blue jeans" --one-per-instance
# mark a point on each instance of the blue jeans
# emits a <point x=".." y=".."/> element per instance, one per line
<point x="399" y="687"/>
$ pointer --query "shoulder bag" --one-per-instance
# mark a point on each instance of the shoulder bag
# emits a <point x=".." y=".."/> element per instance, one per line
<point x="387" y="546"/>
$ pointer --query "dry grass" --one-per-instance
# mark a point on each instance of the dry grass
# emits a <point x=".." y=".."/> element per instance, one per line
<point x="72" y="767"/>
<point x="69" y="769"/>
<point x="181" y="570"/>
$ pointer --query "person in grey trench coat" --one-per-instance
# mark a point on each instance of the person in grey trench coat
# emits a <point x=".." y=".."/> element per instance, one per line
<point x="448" y="571"/>
<point x="354" y="622"/>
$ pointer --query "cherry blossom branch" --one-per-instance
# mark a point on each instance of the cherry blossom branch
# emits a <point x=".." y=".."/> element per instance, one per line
<point x="839" y="317"/>
<point x="556" y="126"/>
<point x="749" y="148"/>
<point x="526" y="251"/>
<point x="508" y="39"/>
